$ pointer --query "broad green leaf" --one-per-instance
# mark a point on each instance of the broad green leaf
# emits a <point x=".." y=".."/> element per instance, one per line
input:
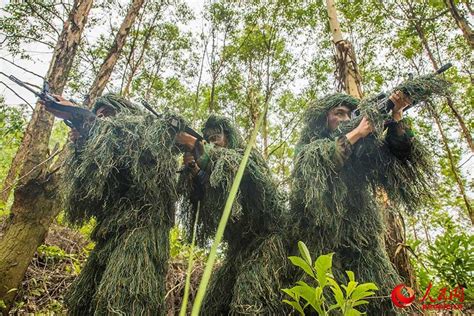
<point x="322" y="265"/>
<point x="320" y="300"/>
<point x="292" y="293"/>
<point x="319" y="293"/>
<point x="303" y="283"/>
<point x="363" y="291"/>
<point x="305" y="252"/>
<point x="299" y="262"/>
<point x="307" y="293"/>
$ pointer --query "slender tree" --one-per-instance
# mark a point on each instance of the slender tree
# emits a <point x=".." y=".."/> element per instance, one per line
<point x="113" y="54"/>
<point x="33" y="208"/>
<point x="461" y="21"/>
<point x="346" y="65"/>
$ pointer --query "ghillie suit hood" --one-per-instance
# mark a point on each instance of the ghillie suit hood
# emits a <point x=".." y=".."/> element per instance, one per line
<point x="334" y="204"/>
<point x="218" y="124"/>
<point x="256" y="259"/>
<point x="124" y="176"/>
<point x="315" y="117"/>
<point x="117" y="103"/>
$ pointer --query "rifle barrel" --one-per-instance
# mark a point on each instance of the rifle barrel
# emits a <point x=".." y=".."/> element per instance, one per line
<point x="444" y="68"/>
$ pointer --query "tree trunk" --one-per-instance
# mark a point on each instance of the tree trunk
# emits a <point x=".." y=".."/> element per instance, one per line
<point x="34" y="208"/>
<point x="33" y="211"/>
<point x="461" y="22"/>
<point x="109" y="63"/>
<point x="346" y="67"/>
<point x="212" y="106"/>
<point x="9" y="182"/>
<point x="350" y="80"/>
<point x="133" y="71"/>
<point x="135" y="66"/>
<point x="396" y="248"/>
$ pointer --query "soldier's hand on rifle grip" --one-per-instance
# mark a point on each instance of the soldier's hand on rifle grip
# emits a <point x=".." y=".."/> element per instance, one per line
<point x="190" y="162"/>
<point x="362" y="130"/>
<point x="401" y="101"/>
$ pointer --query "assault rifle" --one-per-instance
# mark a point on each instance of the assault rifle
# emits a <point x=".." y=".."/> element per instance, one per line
<point x="174" y="122"/>
<point x="79" y="118"/>
<point x="385" y="105"/>
<point x="418" y="89"/>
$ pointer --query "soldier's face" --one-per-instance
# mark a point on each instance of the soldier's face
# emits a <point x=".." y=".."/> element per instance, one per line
<point x="218" y="139"/>
<point x="337" y="115"/>
<point x="105" y="111"/>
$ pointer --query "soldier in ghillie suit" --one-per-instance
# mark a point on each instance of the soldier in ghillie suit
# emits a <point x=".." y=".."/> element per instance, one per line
<point x="123" y="174"/>
<point x="341" y="163"/>
<point x="250" y="278"/>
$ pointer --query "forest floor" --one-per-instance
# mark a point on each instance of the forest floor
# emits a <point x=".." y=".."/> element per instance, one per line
<point x="58" y="261"/>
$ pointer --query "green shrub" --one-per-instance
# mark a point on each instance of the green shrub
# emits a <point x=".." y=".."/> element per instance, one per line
<point x="316" y="297"/>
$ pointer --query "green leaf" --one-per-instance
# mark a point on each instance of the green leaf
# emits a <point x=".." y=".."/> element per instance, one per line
<point x="305" y="252"/>
<point x="363" y="291"/>
<point x="334" y="306"/>
<point x="352" y="312"/>
<point x="299" y="262"/>
<point x="307" y="293"/>
<point x="295" y="305"/>
<point x="322" y="266"/>
<point x="350" y="288"/>
<point x="360" y="302"/>
<point x="351" y="276"/>
<point x="319" y="294"/>
<point x="290" y="293"/>
<point x="336" y="289"/>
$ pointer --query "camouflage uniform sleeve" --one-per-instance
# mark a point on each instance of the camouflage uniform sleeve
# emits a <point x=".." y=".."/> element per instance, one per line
<point x="399" y="139"/>
<point x="342" y="152"/>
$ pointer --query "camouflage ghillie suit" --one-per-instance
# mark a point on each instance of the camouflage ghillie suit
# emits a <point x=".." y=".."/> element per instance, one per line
<point x="250" y="278"/>
<point x="123" y="175"/>
<point x="334" y="208"/>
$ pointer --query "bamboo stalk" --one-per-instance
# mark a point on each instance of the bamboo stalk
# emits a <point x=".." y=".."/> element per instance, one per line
<point x="189" y="271"/>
